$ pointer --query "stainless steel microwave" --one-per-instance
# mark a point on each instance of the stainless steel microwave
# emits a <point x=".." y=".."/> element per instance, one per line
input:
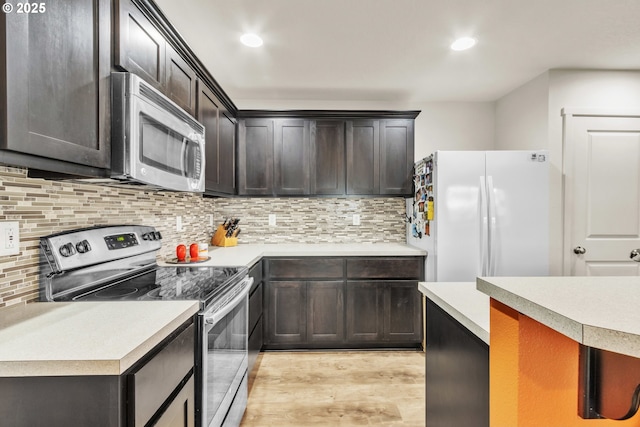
<point x="154" y="142"/>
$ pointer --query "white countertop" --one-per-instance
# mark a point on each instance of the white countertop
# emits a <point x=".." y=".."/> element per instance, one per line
<point x="247" y="254"/>
<point x="600" y="312"/>
<point x="84" y="338"/>
<point x="463" y="302"/>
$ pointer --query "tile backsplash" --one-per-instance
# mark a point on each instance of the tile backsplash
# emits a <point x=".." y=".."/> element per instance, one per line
<point x="44" y="207"/>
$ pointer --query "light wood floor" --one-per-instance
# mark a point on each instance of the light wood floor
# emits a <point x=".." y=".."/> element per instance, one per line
<point x="350" y="388"/>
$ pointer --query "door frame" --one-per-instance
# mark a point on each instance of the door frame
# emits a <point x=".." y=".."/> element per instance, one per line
<point x="569" y="139"/>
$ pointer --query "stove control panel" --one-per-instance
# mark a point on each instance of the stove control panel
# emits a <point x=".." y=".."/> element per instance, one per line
<point x="120" y="241"/>
<point x="96" y="245"/>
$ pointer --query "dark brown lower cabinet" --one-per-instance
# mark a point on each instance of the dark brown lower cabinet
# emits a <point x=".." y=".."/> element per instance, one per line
<point x="364" y="312"/>
<point x="325" y="312"/>
<point x="256" y="298"/>
<point x="287" y="320"/>
<point x="383" y="311"/>
<point x="158" y="390"/>
<point x="310" y="303"/>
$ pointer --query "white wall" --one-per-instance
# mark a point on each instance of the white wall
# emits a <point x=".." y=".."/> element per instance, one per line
<point x="455" y="126"/>
<point x="521" y="116"/>
<point x="520" y="124"/>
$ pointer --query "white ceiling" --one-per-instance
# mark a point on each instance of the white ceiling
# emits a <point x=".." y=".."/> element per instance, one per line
<point x="397" y="51"/>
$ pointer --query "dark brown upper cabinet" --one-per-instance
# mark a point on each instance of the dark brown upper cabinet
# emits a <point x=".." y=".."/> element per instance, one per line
<point x="139" y="47"/>
<point x="54" y="86"/>
<point x="227" y="150"/>
<point x="143" y="50"/>
<point x="327" y="173"/>
<point x="360" y="153"/>
<point x="363" y="157"/>
<point x="255" y="157"/>
<point x="396" y="156"/>
<point x="291" y="157"/>
<point x="180" y="81"/>
<point x="220" y="132"/>
<point x="380" y="157"/>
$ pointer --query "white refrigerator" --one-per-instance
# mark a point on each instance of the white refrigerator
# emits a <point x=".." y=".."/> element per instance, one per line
<point x="490" y="215"/>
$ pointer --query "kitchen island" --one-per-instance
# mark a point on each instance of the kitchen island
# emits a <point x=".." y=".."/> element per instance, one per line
<point x="544" y="333"/>
<point x="457" y="354"/>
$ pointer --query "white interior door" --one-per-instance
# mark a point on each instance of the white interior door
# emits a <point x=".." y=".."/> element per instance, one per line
<point x="602" y="193"/>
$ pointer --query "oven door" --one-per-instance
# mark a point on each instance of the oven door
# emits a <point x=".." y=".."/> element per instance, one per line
<point x="224" y="360"/>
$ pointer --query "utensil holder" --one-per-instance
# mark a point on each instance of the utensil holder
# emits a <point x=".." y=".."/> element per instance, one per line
<point x="220" y="239"/>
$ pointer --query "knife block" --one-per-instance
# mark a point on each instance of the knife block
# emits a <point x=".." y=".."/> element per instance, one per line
<point x="220" y="239"/>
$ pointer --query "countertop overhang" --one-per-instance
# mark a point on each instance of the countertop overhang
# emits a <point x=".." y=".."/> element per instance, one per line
<point x="84" y="338"/>
<point x="463" y="302"/>
<point x="599" y="312"/>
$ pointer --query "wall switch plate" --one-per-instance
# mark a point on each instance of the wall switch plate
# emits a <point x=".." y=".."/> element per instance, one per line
<point x="356" y="219"/>
<point x="272" y="219"/>
<point x="9" y="238"/>
<point x="179" y="223"/>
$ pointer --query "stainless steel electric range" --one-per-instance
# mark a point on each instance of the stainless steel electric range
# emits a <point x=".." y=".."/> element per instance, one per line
<point x="107" y="263"/>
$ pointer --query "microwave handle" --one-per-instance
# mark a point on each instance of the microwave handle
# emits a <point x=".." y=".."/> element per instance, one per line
<point x="183" y="155"/>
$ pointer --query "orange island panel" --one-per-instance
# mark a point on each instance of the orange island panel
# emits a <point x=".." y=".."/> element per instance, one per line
<point x="533" y="378"/>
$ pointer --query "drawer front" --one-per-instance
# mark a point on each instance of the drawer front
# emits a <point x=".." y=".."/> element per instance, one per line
<point x="256" y="273"/>
<point x="158" y="378"/>
<point x="385" y="268"/>
<point x="255" y="344"/>
<point x="306" y="268"/>
<point x="255" y="307"/>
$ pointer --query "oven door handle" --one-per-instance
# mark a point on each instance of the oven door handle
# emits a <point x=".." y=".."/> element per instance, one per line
<point x="215" y="317"/>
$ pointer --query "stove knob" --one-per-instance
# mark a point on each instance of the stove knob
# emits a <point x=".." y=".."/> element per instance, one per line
<point x="83" y="247"/>
<point x="147" y="236"/>
<point x="67" y="250"/>
<point x="157" y="235"/>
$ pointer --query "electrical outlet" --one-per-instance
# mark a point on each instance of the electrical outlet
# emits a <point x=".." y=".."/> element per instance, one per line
<point x="356" y="219"/>
<point x="210" y="220"/>
<point x="179" y="223"/>
<point x="9" y="238"/>
<point x="272" y="219"/>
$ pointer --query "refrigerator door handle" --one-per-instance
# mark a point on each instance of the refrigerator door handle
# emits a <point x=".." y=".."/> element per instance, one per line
<point x="493" y="249"/>
<point x="483" y="220"/>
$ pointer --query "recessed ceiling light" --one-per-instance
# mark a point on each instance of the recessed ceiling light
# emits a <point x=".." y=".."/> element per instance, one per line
<point x="463" y="43"/>
<point x="251" y="40"/>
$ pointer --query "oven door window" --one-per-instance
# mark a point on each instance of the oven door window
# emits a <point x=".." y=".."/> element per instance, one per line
<point x="226" y="362"/>
<point x="167" y="150"/>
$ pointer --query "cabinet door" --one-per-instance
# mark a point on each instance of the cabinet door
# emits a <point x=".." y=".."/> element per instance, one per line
<point x="255" y="157"/>
<point x="180" y="84"/>
<point x="220" y="134"/>
<point x="364" y="312"/>
<point x="181" y="411"/>
<point x="363" y="157"/>
<point x="227" y="153"/>
<point x="325" y="312"/>
<point x="55" y="77"/>
<point x="139" y="47"/>
<point x="291" y="157"/>
<point x="396" y="157"/>
<point x="209" y="115"/>
<point x="286" y="312"/>
<point x="402" y="311"/>
<point x="327" y="163"/>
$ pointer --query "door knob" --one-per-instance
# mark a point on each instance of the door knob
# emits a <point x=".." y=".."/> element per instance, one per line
<point x="635" y="255"/>
<point x="579" y="250"/>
